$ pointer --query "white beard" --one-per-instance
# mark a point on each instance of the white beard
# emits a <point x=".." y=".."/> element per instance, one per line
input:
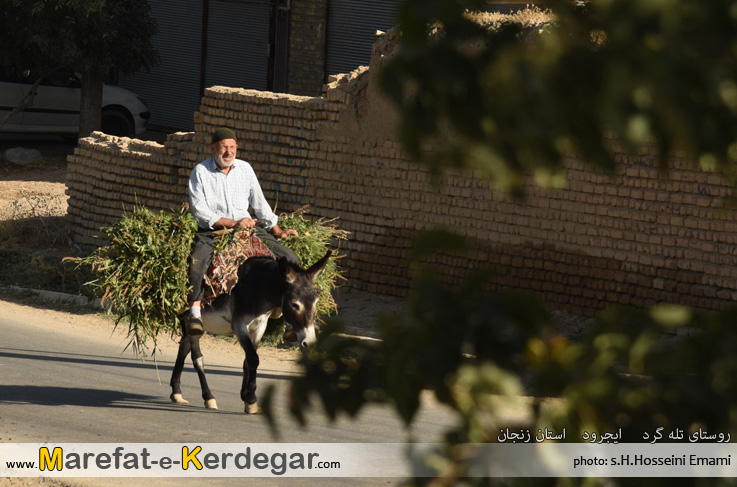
<point x="220" y="162"/>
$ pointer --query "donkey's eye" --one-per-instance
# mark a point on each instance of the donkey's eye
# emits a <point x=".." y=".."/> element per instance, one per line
<point x="296" y="306"/>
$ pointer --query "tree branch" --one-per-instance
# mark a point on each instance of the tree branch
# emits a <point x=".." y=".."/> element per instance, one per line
<point x="25" y="103"/>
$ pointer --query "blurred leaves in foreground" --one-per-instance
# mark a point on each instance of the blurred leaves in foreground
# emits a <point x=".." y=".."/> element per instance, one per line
<point x="511" y="99"/>
<point x="513" y="96"/>
<point x="485" y="353"/>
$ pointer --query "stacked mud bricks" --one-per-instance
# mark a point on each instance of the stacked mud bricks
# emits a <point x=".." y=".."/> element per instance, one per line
<point x="109" y="175"/>
<point x="634" y="238"/>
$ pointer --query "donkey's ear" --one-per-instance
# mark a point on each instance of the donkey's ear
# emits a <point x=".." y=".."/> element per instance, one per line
<point x="287" y="270"/>
<point x="318" y="266"/>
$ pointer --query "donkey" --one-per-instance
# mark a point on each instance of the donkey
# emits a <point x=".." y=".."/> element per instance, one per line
<point x="265" y="288"/>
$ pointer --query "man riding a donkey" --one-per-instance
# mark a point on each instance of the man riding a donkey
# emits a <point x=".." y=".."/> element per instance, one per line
<point x="223" y="190"/>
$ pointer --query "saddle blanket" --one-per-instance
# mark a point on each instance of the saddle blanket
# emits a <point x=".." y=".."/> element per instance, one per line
<point x="222" y="276"/>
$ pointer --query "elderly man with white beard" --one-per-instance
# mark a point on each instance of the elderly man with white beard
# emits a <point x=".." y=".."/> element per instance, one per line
<point x="224" y="193"/>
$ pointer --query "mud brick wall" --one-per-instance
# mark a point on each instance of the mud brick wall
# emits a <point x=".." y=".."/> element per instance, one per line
<point x="108" y="175"/>
<point x="634" y="238"/>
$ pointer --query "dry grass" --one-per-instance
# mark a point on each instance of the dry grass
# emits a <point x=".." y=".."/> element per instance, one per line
<point x="34" y="221"/>
<point x="34" y="229"/>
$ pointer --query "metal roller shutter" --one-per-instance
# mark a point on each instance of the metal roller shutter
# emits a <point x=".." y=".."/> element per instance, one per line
<point x="172" y="89"/>
<point x="352" y="26"/>
<point x="351" y="31"/>
<point x="238" y="43"/>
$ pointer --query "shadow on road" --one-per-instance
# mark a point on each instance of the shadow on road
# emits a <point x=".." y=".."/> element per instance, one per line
<point x="90" y="397"/>
<point x="74" y="396"/>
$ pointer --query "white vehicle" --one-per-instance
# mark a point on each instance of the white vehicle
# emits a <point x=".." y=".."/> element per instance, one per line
<point x="55" y="108"/>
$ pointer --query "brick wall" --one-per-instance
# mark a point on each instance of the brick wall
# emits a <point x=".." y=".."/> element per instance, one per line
<point x="633" y="238"/>
<point x="108" y="174"/>
<point x="307" y="47"/>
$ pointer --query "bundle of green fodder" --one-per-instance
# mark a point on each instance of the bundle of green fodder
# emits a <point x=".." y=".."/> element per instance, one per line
<point x="142" y="273"/>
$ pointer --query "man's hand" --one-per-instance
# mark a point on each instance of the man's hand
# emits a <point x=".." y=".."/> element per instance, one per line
<point x="283" y="234"/>
<point x="246" y="223"/>
<point x="226" y="223"/>
<point x="286" y="234"/>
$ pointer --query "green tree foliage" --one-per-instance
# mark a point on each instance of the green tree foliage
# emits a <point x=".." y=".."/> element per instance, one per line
<point x="511" y="100"/>
<point x="86" y="36"/>
<point x="79" y="35"/>
<point x="518" y="97"/>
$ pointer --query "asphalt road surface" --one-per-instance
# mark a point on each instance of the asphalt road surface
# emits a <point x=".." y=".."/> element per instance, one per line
<point x="66" y="378"/>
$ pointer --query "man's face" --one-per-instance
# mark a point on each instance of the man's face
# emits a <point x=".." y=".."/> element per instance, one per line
<point x="224" y="152"/>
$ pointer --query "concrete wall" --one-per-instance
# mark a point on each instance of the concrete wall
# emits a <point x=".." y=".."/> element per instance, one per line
<point x="633" y="238"/>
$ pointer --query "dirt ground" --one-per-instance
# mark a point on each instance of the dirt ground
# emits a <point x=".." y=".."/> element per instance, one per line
<point x="37" y="189"/>
<point x="34" y="196"/>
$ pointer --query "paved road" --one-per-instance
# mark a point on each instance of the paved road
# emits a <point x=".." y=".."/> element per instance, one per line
<point x="64" y="378"/>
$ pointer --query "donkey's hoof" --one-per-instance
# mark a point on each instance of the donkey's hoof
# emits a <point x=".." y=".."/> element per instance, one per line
<point x="253" y="409"/>
<point x="211" y="404"/>
<point x="177" y="398"/>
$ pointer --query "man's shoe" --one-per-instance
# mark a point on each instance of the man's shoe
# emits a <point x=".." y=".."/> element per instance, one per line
<point x="289" y="335"/>
<point x="194" y="326"/>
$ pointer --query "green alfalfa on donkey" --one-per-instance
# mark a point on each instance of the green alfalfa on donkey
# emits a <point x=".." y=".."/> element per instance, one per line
<point x="142" y="273"/>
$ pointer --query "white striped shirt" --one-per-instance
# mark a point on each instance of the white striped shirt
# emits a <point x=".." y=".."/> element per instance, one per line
<point x="214" y="194"/>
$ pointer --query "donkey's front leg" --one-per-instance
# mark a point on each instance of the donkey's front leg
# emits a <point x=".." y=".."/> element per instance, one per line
<point x="176" y="373"/>
<point x="250" y="367"/>
<point x="199" y="367"/>
<point x="248" y="388"/>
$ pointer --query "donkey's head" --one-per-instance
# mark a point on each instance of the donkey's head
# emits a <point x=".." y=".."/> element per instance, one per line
<point x="299" y="304"/>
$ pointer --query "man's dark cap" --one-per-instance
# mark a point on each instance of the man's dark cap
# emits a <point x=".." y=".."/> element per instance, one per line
<point x="221" y="134"/>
